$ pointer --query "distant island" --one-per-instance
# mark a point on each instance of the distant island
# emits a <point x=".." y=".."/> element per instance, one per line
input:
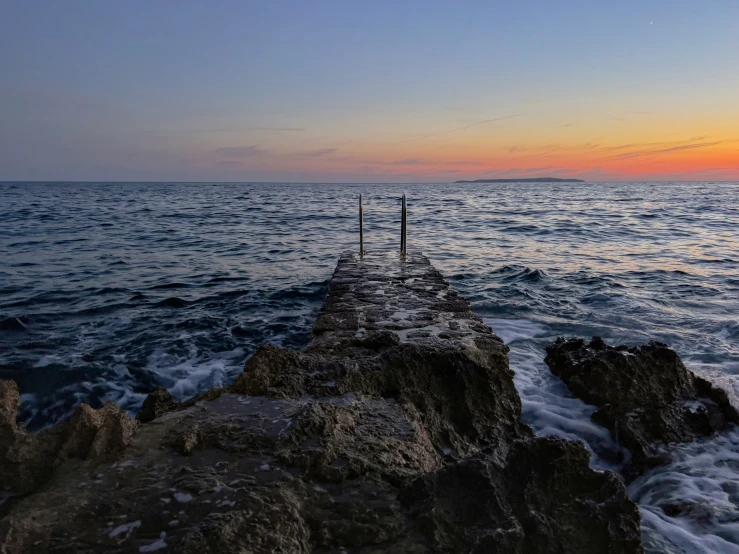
<point x="533" y="180"/>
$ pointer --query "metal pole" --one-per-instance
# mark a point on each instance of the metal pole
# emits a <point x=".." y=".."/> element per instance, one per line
<point x="361" y="228"/>
<point x="403" y="228"/>
<point x="401" y="225"/>
<point x="405" y="225"/>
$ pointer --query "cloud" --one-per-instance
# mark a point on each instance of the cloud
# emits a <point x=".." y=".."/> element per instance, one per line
<point x="654" y="152"/>
<point x="483" y="122"/>
<point x="320" y="152"/>
<point x="193" y="131"/>
<point x="240" y="151"/>
<point x="279" y="129"/>
<point x="230" y="130"/>
<point x="464" y="127"/>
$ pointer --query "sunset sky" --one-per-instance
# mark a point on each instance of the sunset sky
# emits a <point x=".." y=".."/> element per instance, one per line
<point x="381" y="91"/>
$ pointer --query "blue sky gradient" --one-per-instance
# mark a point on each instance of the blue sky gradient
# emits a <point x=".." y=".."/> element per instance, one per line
<point x="332" y="91"/>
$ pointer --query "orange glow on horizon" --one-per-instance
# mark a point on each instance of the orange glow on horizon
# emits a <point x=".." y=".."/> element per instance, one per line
<point x="639" y="147"/>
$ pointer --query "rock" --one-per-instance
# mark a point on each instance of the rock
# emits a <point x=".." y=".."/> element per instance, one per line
<point x="645" y="396"/>
<point x="12" y="324"/>
<point x="397" y="429"/>
<point x="524" y="505"/>
<point x="100" y="434"/>
<point x="271" y="371"/>
<point x="156" y="403"/>
<point x="9" y="402"/>
<point x="28" y="461"/>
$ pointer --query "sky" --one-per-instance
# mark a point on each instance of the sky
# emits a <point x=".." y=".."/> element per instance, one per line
<point x="357" y="91"/>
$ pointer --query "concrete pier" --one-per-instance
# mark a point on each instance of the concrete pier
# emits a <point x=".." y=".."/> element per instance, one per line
<point x="383" y="291"/>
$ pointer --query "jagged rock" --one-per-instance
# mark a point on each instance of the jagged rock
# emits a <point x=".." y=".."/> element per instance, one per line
<point x="156" y="403"/>
<point x="28" y="461"/>
<point x="462" y="403"/>
<point x="100" y="434"/>
<point x="534" y="501"/>
<point x="645" y="395"/>
<point x="24" y="460"/>
<point x="271" y="371"/>
<point x="9" y="402"/>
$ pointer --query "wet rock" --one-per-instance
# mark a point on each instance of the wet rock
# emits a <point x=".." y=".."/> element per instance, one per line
<point x="353" y="435"/>
<point x="645" y="396"/>
<point x="157" y="403"/>
<point x="535" y="500"/>
<point x="101" y="434"/>
<point x="464" y="404"/>
<point x="28" y="461"/>
<point x="271" y="371"/>
<point x="9" y="402"/>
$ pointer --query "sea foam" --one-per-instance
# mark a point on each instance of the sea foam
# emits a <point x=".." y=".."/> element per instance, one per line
<point x="688" y="506"/>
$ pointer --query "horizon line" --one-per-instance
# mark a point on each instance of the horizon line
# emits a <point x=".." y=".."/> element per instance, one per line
<point x="466" y="182"/>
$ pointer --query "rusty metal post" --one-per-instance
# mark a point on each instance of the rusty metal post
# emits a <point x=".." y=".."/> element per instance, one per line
<point x="361" y="228"/>
<point x="404" y="228"/>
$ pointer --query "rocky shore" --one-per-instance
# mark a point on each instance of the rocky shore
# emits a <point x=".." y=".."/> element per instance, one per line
<point x="645" y="396"/>
<point x="396" y="429"/>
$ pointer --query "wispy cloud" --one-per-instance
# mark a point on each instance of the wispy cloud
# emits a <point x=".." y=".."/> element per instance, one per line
<point x="279" y="129"/>
<point x="483" y="122"/>
<point x="240" y="151"/>
<point x="319" y="153"/>
<point x="221" y="130"/>
<point x="457" y="129"/>
<point x="657" y="151"/>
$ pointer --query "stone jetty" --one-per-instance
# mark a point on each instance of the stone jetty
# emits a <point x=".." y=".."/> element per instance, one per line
<point x="396" y="429"/>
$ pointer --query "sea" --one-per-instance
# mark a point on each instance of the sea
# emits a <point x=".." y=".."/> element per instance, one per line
<point x="108" y="290"/>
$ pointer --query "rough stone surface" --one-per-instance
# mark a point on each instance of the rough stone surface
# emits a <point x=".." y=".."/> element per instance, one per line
<point x="397" y="429"/>
<point x="9" y="402"/>
<point x="28" y="461"/>
<point x="156" y="403"/>
<point x="526" y="503"/>
<point x="645" y="396"/>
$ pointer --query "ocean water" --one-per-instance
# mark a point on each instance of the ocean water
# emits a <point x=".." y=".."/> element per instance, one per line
<point x="119" y="288"/>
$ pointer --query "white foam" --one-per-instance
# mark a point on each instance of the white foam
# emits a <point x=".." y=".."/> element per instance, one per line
<point x="702" y="484"/>
<point x="47" y="360"/>
<point x="125" y="528"/>
<point x="699" y="487"/>
<point x="196" y="371"/>
<point x="550" y="408"/>
<point x="156" y="545"/>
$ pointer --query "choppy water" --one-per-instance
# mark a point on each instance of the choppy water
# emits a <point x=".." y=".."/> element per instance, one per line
<point x="124" y="287"/>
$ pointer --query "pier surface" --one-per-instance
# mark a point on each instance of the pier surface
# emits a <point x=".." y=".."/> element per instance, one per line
<point x="383" y="291"/>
